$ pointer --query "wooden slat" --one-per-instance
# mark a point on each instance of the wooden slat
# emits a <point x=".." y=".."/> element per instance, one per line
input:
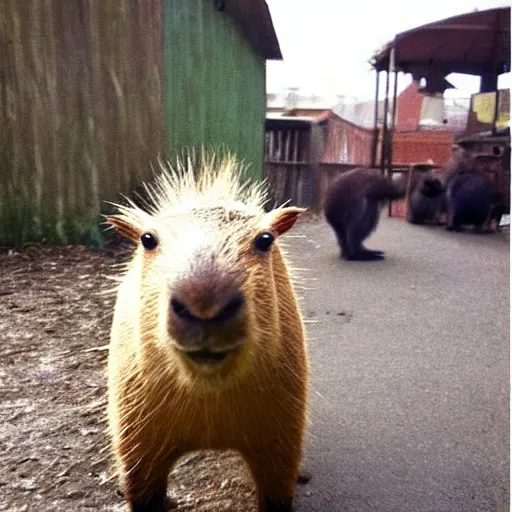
<point x="81" y="111"/>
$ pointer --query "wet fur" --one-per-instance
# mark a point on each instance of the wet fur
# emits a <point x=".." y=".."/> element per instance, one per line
<point x="159" y="406"/>
<point x="352" y="208"/>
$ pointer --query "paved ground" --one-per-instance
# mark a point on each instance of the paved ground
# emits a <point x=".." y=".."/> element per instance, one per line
<point x="410" y="372"/>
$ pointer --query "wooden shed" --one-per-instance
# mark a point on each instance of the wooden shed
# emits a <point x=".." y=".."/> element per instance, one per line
<point x="93" y="92"/>
<point x="303" y="155"/>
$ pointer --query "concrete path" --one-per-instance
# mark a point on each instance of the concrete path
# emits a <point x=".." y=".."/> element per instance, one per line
<point x="409" y="371"/>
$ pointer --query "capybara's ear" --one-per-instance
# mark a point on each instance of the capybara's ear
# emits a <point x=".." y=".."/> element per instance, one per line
<point x="124" y="226"/>
<point x="281" y="220"/>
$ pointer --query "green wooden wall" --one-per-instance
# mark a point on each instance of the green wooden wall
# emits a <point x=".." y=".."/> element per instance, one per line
<point x="214" y="83"/>
<point x="81" y="113"/>
<point x="90" y="97"/>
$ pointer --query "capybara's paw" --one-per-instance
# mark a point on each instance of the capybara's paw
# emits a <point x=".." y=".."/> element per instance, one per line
<point x="303" y="477"/>
<point x="158" y="502"/>
<point x="367" y="256"/>
<point x="277" y="505"/>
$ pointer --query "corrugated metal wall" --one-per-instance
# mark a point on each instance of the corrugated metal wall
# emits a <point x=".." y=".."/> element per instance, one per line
<point x="80" y="110"/>
<point x="215" y="82"/>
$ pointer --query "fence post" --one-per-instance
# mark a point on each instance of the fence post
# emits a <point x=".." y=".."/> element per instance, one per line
<point x="315" y="154"/>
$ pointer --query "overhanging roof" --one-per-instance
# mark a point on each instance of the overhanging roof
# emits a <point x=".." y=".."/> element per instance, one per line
<point x="275" y="123"/>
<point x="253" y="18"/>
<point x="474" y="43"/>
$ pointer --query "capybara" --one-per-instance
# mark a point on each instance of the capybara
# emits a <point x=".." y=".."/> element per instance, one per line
<point x="460" y="162"/>
<point x="470" y="199"/>
<point x="207" y="345"/>
<point x="352" y="207"/>
<point x="425" y="198"/>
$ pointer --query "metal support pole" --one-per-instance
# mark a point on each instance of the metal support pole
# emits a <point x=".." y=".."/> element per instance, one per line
<point x="496" y="111"/>
<point x="496" y="74"/>
<point x="383" y="148"/>
<point x="375" y="139"/>
<point x="393" y="121"/>
<point x="391" y="134"/>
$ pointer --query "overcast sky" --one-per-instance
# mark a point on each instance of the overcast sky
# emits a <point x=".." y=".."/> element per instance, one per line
<point x="326" y="44"/>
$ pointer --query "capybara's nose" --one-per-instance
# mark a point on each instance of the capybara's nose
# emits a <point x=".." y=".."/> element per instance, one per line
<point x="206" y="309"/>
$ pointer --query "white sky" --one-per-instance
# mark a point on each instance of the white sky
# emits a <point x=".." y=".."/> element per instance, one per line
<point x="326" y="44"/>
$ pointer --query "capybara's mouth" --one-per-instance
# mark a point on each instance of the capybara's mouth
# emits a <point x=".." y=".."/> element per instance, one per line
<point x="207" y="356"/>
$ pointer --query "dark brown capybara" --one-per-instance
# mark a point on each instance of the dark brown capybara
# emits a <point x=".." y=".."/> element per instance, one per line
<point x="470" y="200"/>
<point x="425" y="198"/>
<point x="207" y="345"/>
<point x="352" y="208"/>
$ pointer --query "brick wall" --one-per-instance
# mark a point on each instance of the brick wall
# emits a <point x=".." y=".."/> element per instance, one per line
<point x="408" y="108"/>
<point x="417" y="147"/>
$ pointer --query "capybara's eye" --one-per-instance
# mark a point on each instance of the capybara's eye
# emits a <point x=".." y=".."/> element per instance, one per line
<point x="149" y="241"/>
<point x="263" y="241"/>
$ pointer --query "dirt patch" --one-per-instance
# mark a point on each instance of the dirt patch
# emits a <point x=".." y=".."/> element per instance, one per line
<point x="55" y="313"/>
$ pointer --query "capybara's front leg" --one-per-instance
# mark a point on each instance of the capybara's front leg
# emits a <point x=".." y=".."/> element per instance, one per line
<point x="275" y="470"/>
<point x="276" y="505"/>
<point x="143" y="476"/>
<point x="153" y="501"/>
<point x="146" y="493"/>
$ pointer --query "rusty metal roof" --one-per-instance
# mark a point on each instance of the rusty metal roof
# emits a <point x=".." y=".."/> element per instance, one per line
<point x="275" y="123"/>
<point x="254" y="20"/>
<point x="474" y="43"/>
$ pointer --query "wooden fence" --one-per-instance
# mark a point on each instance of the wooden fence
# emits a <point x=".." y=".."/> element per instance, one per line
<point x="346" y="142"/>
<point x="80" y="110"/>
<point x="295" y="154"/>
<point x="305" y="185"/>
<point x="300" y="183"/>
<point x="289" y="182"/>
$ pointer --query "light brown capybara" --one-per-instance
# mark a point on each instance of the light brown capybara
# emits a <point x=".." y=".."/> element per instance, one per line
<point x="207" y="345"/>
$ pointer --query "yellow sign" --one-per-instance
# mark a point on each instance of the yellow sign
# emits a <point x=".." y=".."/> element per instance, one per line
<point x="483" y="107"/>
